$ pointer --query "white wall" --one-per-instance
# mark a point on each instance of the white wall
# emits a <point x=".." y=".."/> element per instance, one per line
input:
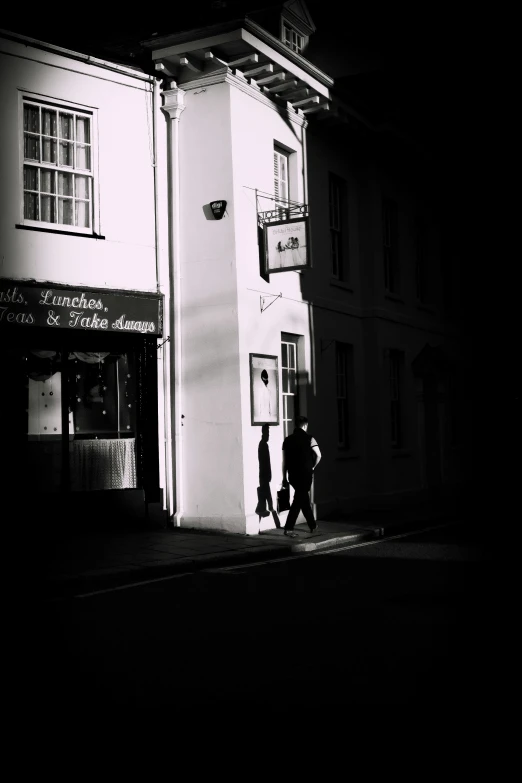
<point x="227" y="138"/>
<point x="122" y="106"/>
<point x="255" y="128"/>
<point x="226" y="149"/>
<point x="211" y="401"/>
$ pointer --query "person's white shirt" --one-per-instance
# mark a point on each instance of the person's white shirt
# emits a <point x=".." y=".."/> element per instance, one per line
<point x="317" y="451"/>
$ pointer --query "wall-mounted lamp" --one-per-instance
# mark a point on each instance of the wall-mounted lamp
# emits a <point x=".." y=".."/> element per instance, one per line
<point x="218" y="208"/>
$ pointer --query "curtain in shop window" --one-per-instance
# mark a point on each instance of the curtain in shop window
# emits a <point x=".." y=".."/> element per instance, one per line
<point x="42" y="365"/>
<point x="103" y="464"/>
<point x="90" y="357"/>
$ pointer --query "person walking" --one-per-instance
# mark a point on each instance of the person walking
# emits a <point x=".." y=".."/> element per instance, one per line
<point x="301" y="456"/>
<point x="264" y="494"/>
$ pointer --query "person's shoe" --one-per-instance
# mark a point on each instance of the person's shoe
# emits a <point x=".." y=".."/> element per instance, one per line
<point x="290" y="533"/>
<point x="314" y="529"/>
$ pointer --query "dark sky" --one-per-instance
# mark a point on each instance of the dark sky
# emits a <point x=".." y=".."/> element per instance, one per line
<point x="405" y="64"/>
<point x="415" y="61"/>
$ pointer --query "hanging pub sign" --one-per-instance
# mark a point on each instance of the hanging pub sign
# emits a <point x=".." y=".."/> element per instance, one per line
<point x="98" y="310"/>
<point x="286" y="245"/>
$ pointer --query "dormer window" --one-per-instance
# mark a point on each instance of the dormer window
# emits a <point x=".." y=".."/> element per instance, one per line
<point x="296" y="25"/>
<point x="294" y="40"/>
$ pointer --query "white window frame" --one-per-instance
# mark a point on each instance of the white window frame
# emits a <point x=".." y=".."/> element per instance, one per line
<point x="282" y="183"/>
<point x="291" y="37"/>
<point x="291" y="365"/>
<point x="77" y="111"/>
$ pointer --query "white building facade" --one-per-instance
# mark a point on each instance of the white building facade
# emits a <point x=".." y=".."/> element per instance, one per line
<point x="82" y="310"/>
<point x="252" y="260"/>
<point x="345" y="338"/>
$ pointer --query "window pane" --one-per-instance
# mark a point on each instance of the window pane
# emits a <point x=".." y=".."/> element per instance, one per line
<point x="281" y="176"/>
<point x="31" y="206"/>
<point x="103" y="395"/>
<point x="292" y="359"/>
<point x="66" y="126"/>
<point x="82" y="187"/>
<point x="30" y="178"/>
<point x="290" y="407"/>
<point x="95" y="401"/>
<point x="48" y="209"/>
<point x="44" y="420"/>
<point x="59" y="139"/>
<point x="65" y="211"/>
<point x="387" y="269"/>
<point x="66" y="154"/>
<point x="49" y="122"/>
<point x="285" y="380"/>
<point x="335" y="254"/>
<point x="284" y="354"/>
<point x="292" y="384"/>
<point x="48" y="150"/>
<point x="31" y="147"/>
<point x="387" y="231"/>
<point x="65" y="184"/>
<point x="340" y="422"/>
<point x="341" y="386"/>
<point x="83" y="132"/>
<point x="47" y="181"/>
<point x="83" y="157"/>
<point x="31" y="118"/>
<point x="82" y="214"/>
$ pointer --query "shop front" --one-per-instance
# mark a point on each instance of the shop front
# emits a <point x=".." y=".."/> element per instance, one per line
<point x="79" y="404"/>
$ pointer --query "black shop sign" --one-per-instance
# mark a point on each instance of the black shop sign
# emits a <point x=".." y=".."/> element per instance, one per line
<point x="96" y="310"/>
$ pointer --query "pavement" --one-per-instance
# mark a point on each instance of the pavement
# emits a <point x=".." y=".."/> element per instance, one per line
<point x="89" y="562"/>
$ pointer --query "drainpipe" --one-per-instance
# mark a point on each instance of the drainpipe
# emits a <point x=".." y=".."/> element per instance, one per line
<point x="160" y="262"/>
<point x="173" y="106"/>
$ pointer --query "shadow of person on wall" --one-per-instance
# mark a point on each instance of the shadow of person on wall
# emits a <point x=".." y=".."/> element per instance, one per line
<point x="265" y="505"/>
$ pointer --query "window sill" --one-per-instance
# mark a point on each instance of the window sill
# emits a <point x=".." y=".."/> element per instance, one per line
<point x="340" y="284"/>
<point x="426" y="308"/>
<point x="59" y="231"/>
<point x="342" y="456"/>
<point x="393" y="297"/>
<point x="400" y="453"/>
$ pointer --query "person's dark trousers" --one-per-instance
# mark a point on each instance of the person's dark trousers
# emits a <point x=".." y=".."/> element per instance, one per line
<point x="301" y="502"/>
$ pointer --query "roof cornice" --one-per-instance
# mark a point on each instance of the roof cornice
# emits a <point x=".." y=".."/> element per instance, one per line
<point x="75" y="55"/>
<point x="186" y="36"/>
<point x="280" y="47"/>
<point x="191" y="36"/>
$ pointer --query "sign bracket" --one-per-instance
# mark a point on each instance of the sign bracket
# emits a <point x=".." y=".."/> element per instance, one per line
<point x="166" y="340"/>
<point x="262" y="300"/>
<point x="325" y="344"/>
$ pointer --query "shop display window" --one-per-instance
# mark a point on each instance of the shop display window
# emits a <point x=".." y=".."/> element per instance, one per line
<point x="99" y="389"/>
